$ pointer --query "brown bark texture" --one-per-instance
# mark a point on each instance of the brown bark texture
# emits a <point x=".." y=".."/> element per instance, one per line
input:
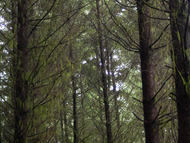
<point x="179" y="23"/>
<point x="147" y="73"/>
<point x="20" y="133"/>
<point x="103" y="77"/>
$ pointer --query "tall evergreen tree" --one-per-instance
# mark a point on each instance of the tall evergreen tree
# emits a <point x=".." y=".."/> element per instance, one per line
<point x="103" y="76"/>
<point x="21" y="69"/>
<point x="148" y="75"/>
<point x="179" y="19"/>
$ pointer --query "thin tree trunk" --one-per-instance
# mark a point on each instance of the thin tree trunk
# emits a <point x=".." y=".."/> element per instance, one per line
<point x="61" y="124"/>
<point x="75" y="129"/>
<point x="83" y="110"/>
<point x="100" y="96"/>
<point x="147" y="73"/>
<point x="179" y="22"/>
<point x="65" y="123"/>
<point x="104" y="79"/>
<point x="20" y="134"/>
<point x="0" y="132"/>
<point x="13" y="68"/>
<point x="108" y="63"/>
<point x="115" y="99"/>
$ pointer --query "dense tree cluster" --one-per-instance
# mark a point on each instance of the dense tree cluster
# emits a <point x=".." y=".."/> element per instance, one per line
<point x="96" y="71"/>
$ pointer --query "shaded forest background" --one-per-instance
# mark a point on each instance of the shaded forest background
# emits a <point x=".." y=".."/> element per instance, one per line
<point x="96" y="71"/>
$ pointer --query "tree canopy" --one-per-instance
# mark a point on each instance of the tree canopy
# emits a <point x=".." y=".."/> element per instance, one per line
<point x="98" y="71"/>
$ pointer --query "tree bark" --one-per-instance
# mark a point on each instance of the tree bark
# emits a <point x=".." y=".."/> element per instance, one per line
<point x="75" y="129"/>
<point x="20" y="134"/>
<point x="103" y="77"/>
<point x="65" y="122"/>
<point x="83" y="111"/>
<point x="179" y="23"/>
<point x="61" y="124"/>
<point x="147" y="73"/>
<point x="102" y="140"/>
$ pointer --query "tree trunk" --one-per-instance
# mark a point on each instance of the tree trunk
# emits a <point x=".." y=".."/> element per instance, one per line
<point x="115" y="100"/>
<point x="179" y="23"/>
<point x="75" y="129"/>
<point x="0" y="132"/>
<point x="103" y="77"/>
<point x="61" y="124"/>
<point x="102" y="139"/>
<point x="83" y="111"/>
<point x="65" y="122"/>
<point x="20" y="134"/>
<point x="147" y="73"/>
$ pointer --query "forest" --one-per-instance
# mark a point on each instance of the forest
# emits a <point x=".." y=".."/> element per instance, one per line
<point x="94" y="71"/>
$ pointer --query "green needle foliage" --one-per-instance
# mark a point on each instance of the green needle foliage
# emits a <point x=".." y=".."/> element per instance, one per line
<point x="75" y="71"/>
